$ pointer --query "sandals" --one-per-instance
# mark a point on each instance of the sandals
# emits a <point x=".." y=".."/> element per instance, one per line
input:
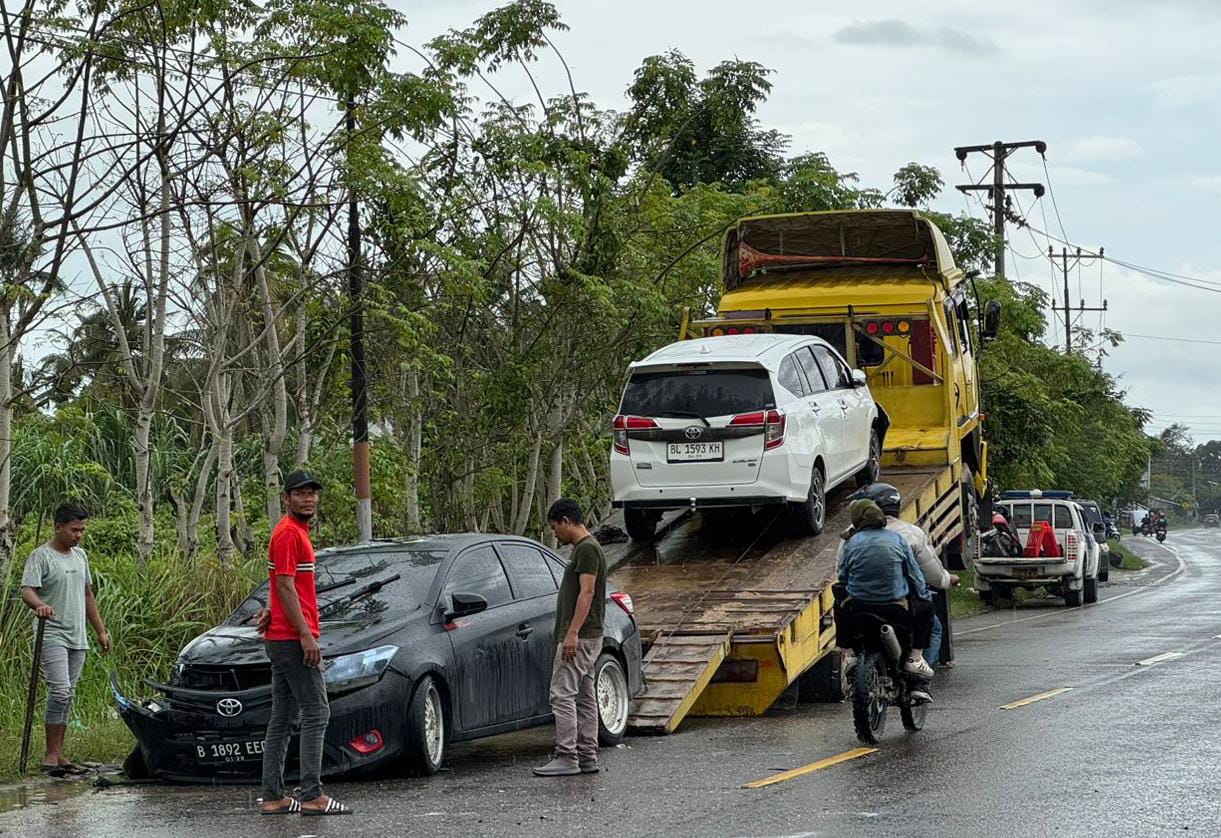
<point x="56" y="771"/>
<point x="74" y="769"/>
<point x="333" y="807"/>
<point x="292" y="807"/>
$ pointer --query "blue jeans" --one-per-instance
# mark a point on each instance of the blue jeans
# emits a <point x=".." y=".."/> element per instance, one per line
<point x="933" y="652"/>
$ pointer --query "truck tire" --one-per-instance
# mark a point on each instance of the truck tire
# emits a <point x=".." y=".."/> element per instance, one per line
<point x="1072" y="599"/>
<point x="808" y="517"/>
<point x="824" y="681"/>
<point x="956" y="555"/>
<point x="1104" y="569"/>
<point x="873" y="466"/>
<point x="1089" y="590"/>
<point x="987" y="597"/>
<point x="641" y="524"/>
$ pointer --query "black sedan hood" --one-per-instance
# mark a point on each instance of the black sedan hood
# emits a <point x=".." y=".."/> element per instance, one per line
<point x="242" y="645"/>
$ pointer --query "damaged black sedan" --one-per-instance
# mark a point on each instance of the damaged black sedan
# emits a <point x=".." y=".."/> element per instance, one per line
<point x="425" y="642"/>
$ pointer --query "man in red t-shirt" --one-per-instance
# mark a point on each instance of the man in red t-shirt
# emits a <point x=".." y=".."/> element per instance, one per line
<point x="291" y="641"/>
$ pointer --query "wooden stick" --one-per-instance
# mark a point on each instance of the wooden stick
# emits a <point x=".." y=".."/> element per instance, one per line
<point x="32" y="695"/>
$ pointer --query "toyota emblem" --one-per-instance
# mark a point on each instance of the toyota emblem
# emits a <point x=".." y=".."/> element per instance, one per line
<point x="694" y="432"/>
<point x="228" y="707"/>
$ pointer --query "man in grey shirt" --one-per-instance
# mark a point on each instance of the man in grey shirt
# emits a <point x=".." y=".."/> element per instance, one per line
<point x="58" y="588"/>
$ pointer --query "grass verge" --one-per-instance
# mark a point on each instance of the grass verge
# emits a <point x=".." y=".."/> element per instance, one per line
<point x="1131" y="561"/>
<point x="964" y="601"/>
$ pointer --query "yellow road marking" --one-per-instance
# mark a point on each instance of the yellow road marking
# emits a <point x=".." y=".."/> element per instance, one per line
<point x="1034" y="698"/>
<point x="811" y="768"/>
<point x="1166" y="656"/>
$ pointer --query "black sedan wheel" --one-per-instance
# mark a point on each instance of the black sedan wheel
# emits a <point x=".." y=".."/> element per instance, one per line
<point x="614" y="701"/>
<point x="425" y="729"/>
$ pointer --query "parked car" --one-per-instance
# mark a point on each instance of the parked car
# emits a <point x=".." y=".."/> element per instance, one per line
<point x="1073" y="573"/>
<point x="742" y="420"/>
<point x="425" y="641"/>
<point x="1212" y="520"/>
<point x="1098" y="534"/>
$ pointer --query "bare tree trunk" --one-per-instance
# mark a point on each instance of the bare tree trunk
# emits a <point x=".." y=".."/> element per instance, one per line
<point x="527" y="493"/>
<point x="241" y="526"/>
<point x="273" y="440"/>
<point x="224" y="472"/>
<point x="555" y="484"/>
<point x="197" y="500"/>
<point x="415" y="449"/>
<point x="7" y="540"/>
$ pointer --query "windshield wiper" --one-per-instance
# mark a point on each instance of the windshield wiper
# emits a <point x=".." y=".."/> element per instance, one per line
<point x="684" y="414"/>
<point x="363" y="590"/>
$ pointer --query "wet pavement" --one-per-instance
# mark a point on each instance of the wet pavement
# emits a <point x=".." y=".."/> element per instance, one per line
<point x="1126" y="747"/>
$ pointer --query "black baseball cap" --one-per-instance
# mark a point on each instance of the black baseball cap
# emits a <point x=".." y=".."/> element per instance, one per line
<point x="299" y="480"/>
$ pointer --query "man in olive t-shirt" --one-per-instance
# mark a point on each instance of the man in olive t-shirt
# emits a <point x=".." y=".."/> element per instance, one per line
<point x="579" y="612"/>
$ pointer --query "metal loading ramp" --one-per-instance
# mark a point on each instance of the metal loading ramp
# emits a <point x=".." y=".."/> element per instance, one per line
<point x="732" y="617"/>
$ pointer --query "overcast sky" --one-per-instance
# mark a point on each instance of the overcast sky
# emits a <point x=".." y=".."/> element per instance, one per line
<point x="1126" y="94"/>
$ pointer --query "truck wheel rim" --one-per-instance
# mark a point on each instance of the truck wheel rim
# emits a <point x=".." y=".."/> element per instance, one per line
<point x="612" y="697"/>
<point x="433" y="726"/>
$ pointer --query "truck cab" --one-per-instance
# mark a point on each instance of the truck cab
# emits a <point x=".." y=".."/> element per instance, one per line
<point x="1066" y="563"/>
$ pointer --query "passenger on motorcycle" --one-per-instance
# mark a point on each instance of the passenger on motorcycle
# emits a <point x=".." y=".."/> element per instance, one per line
<point x="880" y="576"/>
<point x="888" y="498"/>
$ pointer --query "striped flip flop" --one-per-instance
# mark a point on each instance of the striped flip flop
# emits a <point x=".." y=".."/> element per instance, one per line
<point x="333" y="807"/>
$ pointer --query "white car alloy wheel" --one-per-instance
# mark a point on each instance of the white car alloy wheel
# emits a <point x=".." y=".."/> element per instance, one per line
<point x="610" y="686"/>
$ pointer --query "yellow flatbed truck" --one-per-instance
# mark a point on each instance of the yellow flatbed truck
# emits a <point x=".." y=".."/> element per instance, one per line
<point x="730" y="623"/>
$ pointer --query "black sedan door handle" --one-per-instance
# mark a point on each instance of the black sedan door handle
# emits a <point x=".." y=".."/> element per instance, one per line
<point x="524" y="630"/>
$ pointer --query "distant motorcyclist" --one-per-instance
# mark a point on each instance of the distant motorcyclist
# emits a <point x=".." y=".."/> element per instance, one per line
<point x="889" y="500"/>
<point x="882" y="577"/>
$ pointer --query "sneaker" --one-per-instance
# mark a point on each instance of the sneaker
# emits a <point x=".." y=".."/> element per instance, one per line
<point x="920" y="695"/>
<point x="559" y="767"/>
<point x="919" y="667"/>
<point x="589" y="766"/>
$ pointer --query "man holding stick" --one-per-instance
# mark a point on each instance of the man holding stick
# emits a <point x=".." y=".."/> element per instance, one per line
<point x="58" y="587"/>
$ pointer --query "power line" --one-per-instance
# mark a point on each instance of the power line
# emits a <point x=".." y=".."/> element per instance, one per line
<point x="1051" y="192"/>
<point x="998" y="152"/>
<point x="1167" y="337"/>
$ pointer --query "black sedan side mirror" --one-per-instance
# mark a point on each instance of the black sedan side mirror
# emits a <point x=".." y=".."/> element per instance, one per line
<point x="464" y="605"/>
<point x="991" y="324"/>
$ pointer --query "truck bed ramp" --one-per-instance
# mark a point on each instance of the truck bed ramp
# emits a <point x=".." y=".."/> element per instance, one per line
<point x="676" y="671"/>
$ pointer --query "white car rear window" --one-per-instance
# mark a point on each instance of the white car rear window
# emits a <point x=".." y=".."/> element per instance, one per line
<point x="698" y="393"/>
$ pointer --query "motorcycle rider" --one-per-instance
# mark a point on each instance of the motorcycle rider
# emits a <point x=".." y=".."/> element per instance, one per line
<point x="888" y="498"/>
<point x="881" y="576"/>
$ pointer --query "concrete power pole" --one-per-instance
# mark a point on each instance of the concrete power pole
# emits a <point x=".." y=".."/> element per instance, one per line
<point x="998" y="152"/>
<point x="360" y="386"/>
<point x="1068" y="306"/>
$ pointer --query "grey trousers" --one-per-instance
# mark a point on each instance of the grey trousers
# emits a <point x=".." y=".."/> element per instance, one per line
<point x="295" y="689"/>
<point x="61" y="669"/>
<point x="575" y="702"/>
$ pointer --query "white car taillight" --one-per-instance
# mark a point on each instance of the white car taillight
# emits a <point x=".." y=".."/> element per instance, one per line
<point x="772" y="422"/>
<point x="623" y="424"/>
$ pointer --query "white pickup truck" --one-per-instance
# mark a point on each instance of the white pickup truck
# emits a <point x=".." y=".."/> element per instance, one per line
<point x="1072" y="574"/>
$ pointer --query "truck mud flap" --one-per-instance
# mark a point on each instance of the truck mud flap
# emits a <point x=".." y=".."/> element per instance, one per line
<point x="676" y="671"/>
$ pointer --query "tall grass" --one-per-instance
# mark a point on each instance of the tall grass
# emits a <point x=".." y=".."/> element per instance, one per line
<point x="151" y="611"/>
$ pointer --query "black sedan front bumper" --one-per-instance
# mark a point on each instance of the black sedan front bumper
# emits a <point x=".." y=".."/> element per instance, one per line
<point x="183" y="736"/>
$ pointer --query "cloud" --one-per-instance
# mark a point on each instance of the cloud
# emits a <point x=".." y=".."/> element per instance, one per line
<point x="892" y="32"/>
<point x="1102" y="149"/>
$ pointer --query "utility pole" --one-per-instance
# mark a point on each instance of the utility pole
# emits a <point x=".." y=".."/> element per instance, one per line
<point x="360" y="389"/>
<point x="1078" y="259"/>
<point x="999" y="151"/>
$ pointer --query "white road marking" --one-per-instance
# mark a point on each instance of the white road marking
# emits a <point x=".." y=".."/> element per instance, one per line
<point x="1165" y="656"/>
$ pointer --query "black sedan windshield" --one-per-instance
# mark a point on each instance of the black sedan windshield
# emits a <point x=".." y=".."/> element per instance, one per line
<point x="346" y="589"/>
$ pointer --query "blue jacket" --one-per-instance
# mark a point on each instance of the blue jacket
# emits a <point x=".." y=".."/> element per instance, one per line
<point x="876" y="564"/>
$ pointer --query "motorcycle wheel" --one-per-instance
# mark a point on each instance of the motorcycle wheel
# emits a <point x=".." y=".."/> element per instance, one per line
<point x="913" y="716"/>
<point x="868" y="704"/>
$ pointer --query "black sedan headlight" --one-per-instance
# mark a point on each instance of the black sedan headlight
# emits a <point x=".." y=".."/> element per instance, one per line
<point x="359" y="669"/>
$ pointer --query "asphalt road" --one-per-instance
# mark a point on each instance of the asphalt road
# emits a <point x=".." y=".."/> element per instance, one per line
<point x="1122" y="749"/>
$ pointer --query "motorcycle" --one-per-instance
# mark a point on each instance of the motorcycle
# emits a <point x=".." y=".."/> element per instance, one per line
<point x="1161" y="533"/>
<point x="878" y="681"/>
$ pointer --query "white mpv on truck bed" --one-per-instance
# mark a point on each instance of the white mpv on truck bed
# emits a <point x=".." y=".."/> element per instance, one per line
<point x="744" y="420"/>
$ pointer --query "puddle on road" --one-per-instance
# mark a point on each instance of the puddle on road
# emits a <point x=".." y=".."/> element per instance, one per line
<point x="53" y="791"/>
